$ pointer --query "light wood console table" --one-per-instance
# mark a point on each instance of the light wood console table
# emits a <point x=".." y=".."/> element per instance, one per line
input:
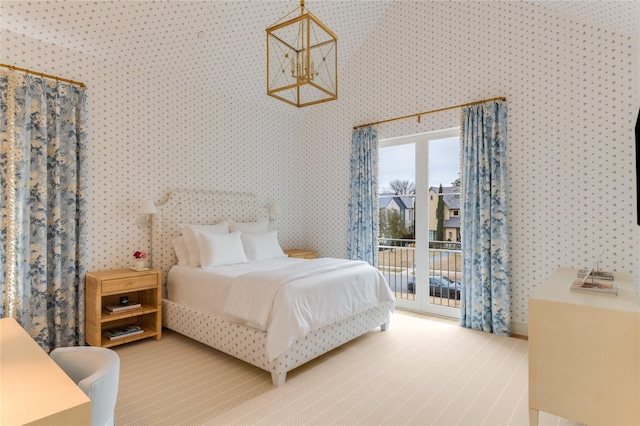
<point x="584" y="352"/>
<point x="33" y="389"/>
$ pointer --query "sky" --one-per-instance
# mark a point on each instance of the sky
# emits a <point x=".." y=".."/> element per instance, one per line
<point x="398" y="163"/>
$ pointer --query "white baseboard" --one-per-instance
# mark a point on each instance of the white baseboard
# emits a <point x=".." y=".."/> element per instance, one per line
<point x="520" y="329"/>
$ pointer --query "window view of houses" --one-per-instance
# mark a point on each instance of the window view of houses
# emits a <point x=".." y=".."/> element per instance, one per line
<point x="399" y="217"/>
<point x="396" y="230"/>
<point x="397" y="214"/>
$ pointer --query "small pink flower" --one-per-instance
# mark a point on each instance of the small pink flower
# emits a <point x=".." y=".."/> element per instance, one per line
<point x="140" y="255"/>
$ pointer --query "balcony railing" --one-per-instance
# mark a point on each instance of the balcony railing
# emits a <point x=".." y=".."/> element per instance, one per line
<point x="397" y="262"/>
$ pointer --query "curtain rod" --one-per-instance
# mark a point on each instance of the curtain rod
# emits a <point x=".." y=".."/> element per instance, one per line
<point x="11" y="67"/>
<point x="430" y="112"/>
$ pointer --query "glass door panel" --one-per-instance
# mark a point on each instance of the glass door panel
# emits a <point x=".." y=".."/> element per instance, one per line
<point x="396" y="226"/>
<point x="419" y="249"/>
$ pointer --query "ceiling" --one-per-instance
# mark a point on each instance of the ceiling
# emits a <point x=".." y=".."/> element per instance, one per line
<point x="224" y="41"/>
<point x="618" y="15"/>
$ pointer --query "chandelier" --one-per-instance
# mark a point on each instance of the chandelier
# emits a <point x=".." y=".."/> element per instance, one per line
<point x="302" y="60"/>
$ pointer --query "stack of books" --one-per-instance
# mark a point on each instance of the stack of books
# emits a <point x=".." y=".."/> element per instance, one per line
<point x="120" y="332"/>
<point x="587" y="283"/>
<point x="590" y="286"/>
<point x="118" y="309"/>
<point x="601" y="275"/>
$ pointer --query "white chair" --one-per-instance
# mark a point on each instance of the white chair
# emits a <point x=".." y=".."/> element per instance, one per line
<point x="97" y="372"/>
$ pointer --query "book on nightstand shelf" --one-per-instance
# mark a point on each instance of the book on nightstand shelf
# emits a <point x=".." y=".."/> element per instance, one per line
<point x="118" y="332"/>
<point x="116" y="309"/>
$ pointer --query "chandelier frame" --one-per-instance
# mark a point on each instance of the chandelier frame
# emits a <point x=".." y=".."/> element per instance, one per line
<point x="306" y="85"/>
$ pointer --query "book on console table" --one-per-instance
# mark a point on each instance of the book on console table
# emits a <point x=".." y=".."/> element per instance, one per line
<point x="600" y="275"/>
<point x="119" y="332"/>
<point x="590" y="286"/>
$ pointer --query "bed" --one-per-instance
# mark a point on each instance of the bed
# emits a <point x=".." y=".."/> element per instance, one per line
<point x="263" y="341"/>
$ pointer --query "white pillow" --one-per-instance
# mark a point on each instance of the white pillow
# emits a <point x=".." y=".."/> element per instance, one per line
<point x="220" y="249"/>
<point x="260" y="226"/>
<point x="181" y="251"/>
<point x="189" y="234"/>
<point x="261" y="245"/>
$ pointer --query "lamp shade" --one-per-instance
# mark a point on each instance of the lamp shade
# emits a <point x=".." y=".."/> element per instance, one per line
<point x="273" y="209"/>
<point x="147" y="207"/>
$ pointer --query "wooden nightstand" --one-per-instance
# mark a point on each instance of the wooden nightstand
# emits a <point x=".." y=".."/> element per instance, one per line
<point x="105" y="288"/>
<point x="302" y="254"/>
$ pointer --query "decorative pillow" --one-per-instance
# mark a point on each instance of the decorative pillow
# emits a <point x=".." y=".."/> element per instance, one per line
<point x="189" y="234"/>
<point x="220" y="249"/>
<point x="260" y="226"/>
<point x="261" y="245"/>
<point x="181" y="251"/>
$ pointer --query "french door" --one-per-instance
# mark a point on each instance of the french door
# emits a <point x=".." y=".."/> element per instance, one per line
<point x="419" y="225"/>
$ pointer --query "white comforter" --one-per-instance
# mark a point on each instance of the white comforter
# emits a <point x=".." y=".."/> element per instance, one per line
<point x="287" y="298"/>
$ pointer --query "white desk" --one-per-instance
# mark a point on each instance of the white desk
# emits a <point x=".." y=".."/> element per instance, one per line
<point x="33" y="389"/>
<point x="584" y="352"/>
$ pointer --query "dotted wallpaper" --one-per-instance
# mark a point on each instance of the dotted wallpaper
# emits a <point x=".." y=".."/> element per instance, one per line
<point x="176" y="99"/>
<point x="572" y="91"/>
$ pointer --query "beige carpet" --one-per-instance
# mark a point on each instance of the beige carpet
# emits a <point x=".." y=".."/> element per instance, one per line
<point x="420" y="372"/>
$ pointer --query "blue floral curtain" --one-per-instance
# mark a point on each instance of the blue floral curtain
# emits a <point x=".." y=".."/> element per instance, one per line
<point x="363" y="204"/>
<point x="43" y="208"/>
<point x="485" y="301"/>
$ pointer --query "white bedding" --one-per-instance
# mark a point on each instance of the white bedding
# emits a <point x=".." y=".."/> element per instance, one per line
<point x="302" y="299"/>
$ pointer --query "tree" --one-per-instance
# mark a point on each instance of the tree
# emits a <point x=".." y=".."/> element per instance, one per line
<point x="397" y="229"/>
<point x="402" y="187"/>
<point x="440" y="216"/>
<point x="456" y="182"/>
<point x="391" y="225"/>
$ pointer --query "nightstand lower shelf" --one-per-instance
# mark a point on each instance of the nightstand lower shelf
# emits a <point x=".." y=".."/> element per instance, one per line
<point x="148" y="332"/>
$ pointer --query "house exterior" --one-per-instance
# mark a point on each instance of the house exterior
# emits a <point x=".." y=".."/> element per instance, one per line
<point x="451" y="198"/>
<point x="404" y="204"/>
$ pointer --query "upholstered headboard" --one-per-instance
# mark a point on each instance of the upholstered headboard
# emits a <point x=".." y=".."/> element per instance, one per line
<point x="196" y="207"/>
